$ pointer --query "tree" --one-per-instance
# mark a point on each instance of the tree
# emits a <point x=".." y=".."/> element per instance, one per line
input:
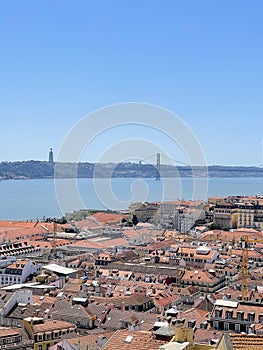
<point x="135" y="220"/>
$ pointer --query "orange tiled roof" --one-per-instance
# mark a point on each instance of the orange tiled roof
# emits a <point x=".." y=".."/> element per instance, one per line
<point x="86" y="243"/>
<point x="13" y="230"/>
<point x="81" y="342"/>
<point x="246" y="341"/>
<point x="52" y="325"/>
<point x="107" y="217"/>
<point x="38" y="299"/>
<point x="164" y="299"/>
<point x="114" y="242"/>
<point x="130" y="233"/>
<point x="127" y="340"/>
<point x="7" y="332"/>
<point x="19" y="264"/>
<point x="198" y="275"/>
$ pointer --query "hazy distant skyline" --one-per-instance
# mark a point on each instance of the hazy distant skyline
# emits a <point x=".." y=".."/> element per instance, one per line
<point x="202" y="60"/>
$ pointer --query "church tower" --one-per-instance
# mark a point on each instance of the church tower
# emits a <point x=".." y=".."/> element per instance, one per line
<point x="50" y="156"/>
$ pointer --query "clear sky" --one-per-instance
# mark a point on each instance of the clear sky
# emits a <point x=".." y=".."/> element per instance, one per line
<point x="203" y="60"/>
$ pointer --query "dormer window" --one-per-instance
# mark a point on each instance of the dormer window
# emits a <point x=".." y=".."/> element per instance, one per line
<point x="251" y="316"/>
<point x="229" y="313"/>
<point x="191" y="324"/>
<point x="240" y="315"/>
<point x="204" y="325"/>
<point x="218" y="312"/>
<point x="260" y="318"/>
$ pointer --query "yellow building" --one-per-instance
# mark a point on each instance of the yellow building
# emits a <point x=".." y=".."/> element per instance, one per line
<point x="46" y="333"/>
<point x="144" y="211"/>
<point x="225" y="215"/>
<point x="184" y="340"/>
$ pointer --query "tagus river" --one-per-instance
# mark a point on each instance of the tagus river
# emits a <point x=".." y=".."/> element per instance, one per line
<point x="32" y="199"/>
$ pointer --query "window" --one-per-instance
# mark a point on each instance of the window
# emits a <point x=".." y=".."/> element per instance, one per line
<point x="191" y="324"/>
<point x="240" y="315"/>
<point x="218" y="313"/>
<point x="229" y="313"/>
<point x="226" y="326"/>
<point x="251" y="316"/>
<point x="39" y="347"/>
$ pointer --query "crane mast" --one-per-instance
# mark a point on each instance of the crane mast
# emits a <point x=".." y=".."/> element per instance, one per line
<point x="244" y="266"/>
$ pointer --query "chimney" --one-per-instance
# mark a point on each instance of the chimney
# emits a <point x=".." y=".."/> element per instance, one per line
<point x="122" y="306"/>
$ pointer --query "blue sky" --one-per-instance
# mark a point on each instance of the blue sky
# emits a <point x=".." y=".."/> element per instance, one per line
<point x="202" y="60"/>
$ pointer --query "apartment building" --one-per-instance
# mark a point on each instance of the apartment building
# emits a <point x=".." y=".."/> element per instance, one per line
<point x="238" y="211"/>
<point x="250" y="215"/>
<point x="225" y="215"/>
<point x="238" y="316"/>
<point x="14" y="339"/>
<point x="144" y="211"/>
<point x="18" y="272"/>
<point x="46" y="333"/>
<point x="204" y="281"/>
<point x="8" y="300"/>
<point x="181" y="215"/>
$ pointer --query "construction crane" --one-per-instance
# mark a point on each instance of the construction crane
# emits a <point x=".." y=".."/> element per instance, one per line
<point x="53" y="251"/>
<point x="244" y="266"/>
<point x="54" y="242"/>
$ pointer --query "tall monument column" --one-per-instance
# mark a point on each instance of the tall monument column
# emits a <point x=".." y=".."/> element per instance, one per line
<point x="50" y="156"/>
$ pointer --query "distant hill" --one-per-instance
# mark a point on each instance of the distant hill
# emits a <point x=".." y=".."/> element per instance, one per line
<point x="44" y="170"/>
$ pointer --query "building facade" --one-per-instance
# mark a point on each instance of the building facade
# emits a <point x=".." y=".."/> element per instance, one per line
<point x="241" y="317"/>
<point x="46" y="333"/>
<point x="225" y="215"/>
<point x="250" y="215"/>
<point x="18" y="272"/>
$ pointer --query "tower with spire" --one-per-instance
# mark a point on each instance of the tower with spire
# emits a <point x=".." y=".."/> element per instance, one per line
<point x="50" y="156"/>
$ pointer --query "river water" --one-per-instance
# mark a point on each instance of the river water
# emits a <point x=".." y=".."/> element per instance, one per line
<point x="32" y="199"/>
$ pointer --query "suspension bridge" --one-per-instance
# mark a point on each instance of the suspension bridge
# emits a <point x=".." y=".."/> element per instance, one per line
<point x="155" y="160"/>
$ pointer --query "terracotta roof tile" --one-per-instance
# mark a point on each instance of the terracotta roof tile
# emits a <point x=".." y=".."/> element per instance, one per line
<point x="107" y="217"/>
<point x="127" y="340"/>
<point x="52" y="325"/>
<point x="246" y="341"/>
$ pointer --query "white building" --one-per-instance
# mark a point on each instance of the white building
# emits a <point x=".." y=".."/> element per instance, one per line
<point x="10" y="299"/>
<point x="18" y="272"/>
